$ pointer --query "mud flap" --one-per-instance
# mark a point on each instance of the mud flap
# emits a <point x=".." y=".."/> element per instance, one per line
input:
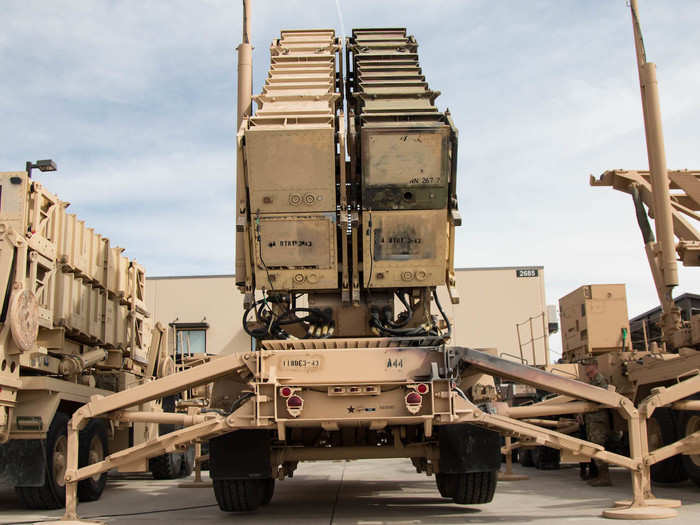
<point x="468" y="448"/>
<point x="244" y="454"/>
<point x="22" y="462"/>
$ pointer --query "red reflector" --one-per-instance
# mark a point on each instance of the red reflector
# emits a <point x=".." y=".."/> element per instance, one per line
<point x="422" y="388"/>
<point x="285" y="391"/>
<point x="413" y="398"/>
<point x="295" y="402"/>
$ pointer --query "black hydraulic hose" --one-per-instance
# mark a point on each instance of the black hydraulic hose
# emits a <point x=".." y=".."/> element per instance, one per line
<point x="409" y="312"/>
<point x="257" y="334"/>
<point x="444" y="315"/>
<point x="238" y="402"/>
<point x="642" y="218"/>
<point x="273" y="324"/>
<point x="404" y="332"/>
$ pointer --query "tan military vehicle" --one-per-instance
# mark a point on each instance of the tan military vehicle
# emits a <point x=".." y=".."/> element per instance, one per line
<point x="345" y="229"/>
<point x="73" y="326"/>
<point x="595" y="324"/>
<point x="594" y="318"/>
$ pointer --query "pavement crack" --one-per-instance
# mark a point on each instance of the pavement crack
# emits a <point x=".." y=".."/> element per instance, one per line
<point x="337" y="494"/>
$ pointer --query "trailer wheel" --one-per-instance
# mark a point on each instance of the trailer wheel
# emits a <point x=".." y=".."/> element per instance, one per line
<point x="269" y="491"/>
<point x="239" y="495"/>
<point x="166" y="466"/>
<point x="52" y="494"/>
<point x="93" y="448"/>
<point x="474" y="487"/>
<point x="545" y="458"/>
<point x="690" y="423"/>
<point x="661" y="430"/>
<point x="445" y="484"/>
<point x="525" y="457"/>
<point x="187" y="462"/>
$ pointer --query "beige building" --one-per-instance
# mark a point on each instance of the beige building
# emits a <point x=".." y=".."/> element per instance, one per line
<point x="207" y="311"/>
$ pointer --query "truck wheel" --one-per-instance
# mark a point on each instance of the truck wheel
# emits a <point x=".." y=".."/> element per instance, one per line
<point x="525" y="457"/>
<point x="93" y="448"/>
<point x="187" y="462"/>
<point x="445" y="484"/>
<point x="52" y="494"/>
<point x="690" y="422"/>
<point x="167" y="466"/>
<point x="269" y="491"/>
<point x="239" y="495"/>
<point x="546" y="458"/>
<point x="661" y="430"/>
<point x="474" y="487"/>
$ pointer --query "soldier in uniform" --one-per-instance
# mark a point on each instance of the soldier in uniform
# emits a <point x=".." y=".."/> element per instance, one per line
<point x="598" y="426"/>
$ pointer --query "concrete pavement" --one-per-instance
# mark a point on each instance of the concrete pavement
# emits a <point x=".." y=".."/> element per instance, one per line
<point x="379" y="492"/>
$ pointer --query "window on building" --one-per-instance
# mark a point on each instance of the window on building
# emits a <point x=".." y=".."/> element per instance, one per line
<point x="190" y="338"/>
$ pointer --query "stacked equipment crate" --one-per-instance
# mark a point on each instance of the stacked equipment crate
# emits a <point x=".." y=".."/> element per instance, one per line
<point x="407" y="173"/>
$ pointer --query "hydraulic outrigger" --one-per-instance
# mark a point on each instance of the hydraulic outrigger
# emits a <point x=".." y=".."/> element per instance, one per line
<point x="462" y="361"/>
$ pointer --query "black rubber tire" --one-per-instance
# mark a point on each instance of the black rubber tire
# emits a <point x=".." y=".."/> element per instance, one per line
<point x="269" y="491"/>
<point x="689" y="422"/>
<point x="91" y="489"/>
<point x="445" y="484"/>
<point x="51" y="495"/>
<point x="525" y="457"/>
<point x="545" y="458"/>
<point x="474" y="488"/>
<point x="670" y="470"/>
<point x="239" y="495"/>
<point x="187" y="463"/>
<point x="167" y="466"/>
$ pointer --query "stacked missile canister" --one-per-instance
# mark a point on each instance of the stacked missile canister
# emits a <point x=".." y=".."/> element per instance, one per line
<point x="86" y="289"/>
<point x="407" y="163"/>
<point x="291" y="154"/>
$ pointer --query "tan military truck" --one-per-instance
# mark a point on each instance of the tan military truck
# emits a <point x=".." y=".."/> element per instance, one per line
<point x="73" y="325"/>
<point x="595" y="324"/>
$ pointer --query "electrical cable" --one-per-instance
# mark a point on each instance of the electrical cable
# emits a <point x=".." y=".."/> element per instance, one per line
<point x="273" y="321"/>
<point x="238" y="402"/>
<point x="444" y="315"/>
<point x="262" y="261"/>
<point x="371" y="255"/>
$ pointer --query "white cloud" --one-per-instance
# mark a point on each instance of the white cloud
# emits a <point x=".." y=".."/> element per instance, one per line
<point x="136" y="102"/>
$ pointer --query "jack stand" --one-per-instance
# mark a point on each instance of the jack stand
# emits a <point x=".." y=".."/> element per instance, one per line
<point x="643" y="505"/>
<point x="652" y="502"/>
<point x="198" y="483"/>
<point x="508" y="475"/>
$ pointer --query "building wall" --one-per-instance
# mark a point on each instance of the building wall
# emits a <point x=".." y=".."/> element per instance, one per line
<point x="214" y="299"/>
<point x="492" y="301"/>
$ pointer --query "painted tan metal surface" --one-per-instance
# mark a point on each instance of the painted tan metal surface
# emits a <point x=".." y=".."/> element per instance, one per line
<point x="76" y="324"/>
<point x="400" y="376"/>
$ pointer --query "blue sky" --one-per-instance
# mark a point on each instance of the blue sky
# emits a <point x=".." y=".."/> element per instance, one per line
<point x="135" y="100"/>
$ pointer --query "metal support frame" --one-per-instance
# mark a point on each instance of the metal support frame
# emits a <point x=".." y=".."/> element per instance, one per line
<point x="203" y="426"/>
